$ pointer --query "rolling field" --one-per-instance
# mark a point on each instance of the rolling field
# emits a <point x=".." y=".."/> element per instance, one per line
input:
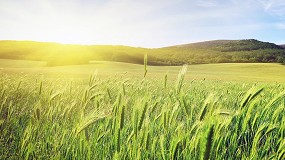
<point x="244" y="72"/>
<point x="109" y="110"/>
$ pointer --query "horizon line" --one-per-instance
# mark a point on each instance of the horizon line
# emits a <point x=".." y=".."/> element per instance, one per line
<point x="100" y="44"/>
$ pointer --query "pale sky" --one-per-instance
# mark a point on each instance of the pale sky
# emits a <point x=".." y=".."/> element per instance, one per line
<point x="142" y="23"/>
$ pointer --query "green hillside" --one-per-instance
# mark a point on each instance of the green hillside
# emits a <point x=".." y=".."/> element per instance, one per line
<point x="205" y="44"/>
<point x="232" y="45"/>
<point x="62" y="54"/>
<point x="219" y="51"/>
<point x="224" y="51"/>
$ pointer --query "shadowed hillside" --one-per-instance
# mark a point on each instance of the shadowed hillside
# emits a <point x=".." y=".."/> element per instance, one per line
<point x="232" y="45"/>
<point x="224" y="51"/>
<point x="205" y="44"/>
<point x="218" y="51"/>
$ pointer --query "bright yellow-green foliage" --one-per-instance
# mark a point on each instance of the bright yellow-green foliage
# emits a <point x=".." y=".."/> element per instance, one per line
<point x="61" y="113"/>
<point x="63" y="54"/>
<point x="245" y="72"/>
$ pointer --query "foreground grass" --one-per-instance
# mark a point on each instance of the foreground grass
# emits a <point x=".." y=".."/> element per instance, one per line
<point x="122" y="118"/>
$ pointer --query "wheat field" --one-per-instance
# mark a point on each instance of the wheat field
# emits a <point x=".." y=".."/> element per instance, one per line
<point x="140" y="117"/>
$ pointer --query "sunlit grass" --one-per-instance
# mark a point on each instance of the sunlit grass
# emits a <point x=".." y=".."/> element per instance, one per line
<point x="246" y="72"/>
<point x="48" y="113"/>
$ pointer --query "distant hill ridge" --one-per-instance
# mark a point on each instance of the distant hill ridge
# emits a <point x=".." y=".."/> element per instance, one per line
<point x="232" y="45"/>
<point x="217" y="51"/>
<point x="204" y="44"/>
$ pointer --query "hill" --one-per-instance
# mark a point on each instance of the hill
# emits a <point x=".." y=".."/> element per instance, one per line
<point x="205" y="44"/>
<point x="231" y="45"/>
<point x="64" y="54"/>
<point x="218" y="51"/>
<point x="225" y="51"/>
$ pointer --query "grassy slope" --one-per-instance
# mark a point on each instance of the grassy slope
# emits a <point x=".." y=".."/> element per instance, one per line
<point x="222" y="51"/>
<point x="263" y="72"/>
<point x="62" y="54"/>
<point x="7" y="63"/>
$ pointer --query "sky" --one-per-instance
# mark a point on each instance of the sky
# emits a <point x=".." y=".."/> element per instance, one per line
<point x="141" y="23"/>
